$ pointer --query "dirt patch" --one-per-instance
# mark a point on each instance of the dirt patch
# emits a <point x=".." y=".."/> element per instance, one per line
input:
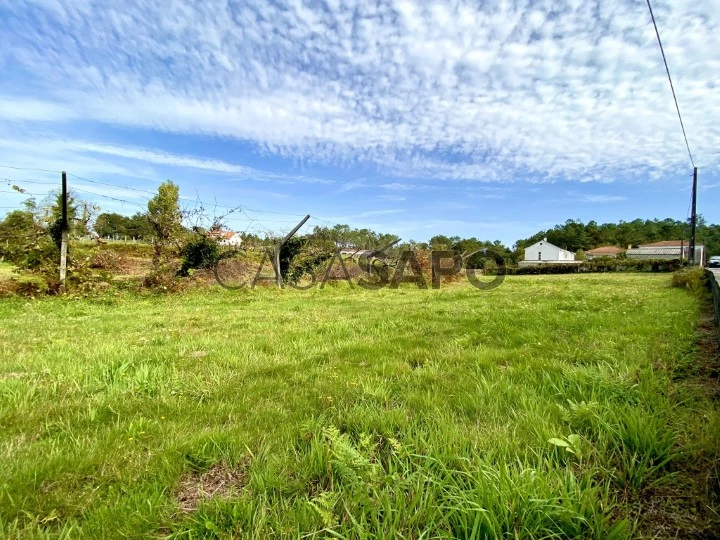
<point x="219" y="482"/>
<point x="688" y="506"/>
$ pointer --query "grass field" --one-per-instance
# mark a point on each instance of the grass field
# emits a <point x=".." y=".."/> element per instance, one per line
<point x="551" y="407"/>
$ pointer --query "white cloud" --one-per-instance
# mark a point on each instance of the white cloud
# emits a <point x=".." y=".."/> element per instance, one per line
<point x="86" y="158"/>
<point x="602" y="198"/>
<point x="594" y="198"/>
<point x="455" y="90"/>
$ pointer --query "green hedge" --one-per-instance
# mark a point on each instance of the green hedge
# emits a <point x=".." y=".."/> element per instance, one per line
<point x="600" y="265"/>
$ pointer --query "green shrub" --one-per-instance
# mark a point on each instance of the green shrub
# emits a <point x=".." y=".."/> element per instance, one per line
<point x="200" y="251"/>
<point x="600" y="265"/>
<point x="693" y="279"/>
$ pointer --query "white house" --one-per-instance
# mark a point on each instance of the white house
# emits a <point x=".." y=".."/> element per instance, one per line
<point x="543" y="252"/>
<point x="226" y="238"/>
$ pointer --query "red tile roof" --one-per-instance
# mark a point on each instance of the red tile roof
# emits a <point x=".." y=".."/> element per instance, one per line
<point x="227" y="235"/>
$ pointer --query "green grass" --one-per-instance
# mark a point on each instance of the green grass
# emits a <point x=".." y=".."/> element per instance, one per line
<point x="350" y="413"/>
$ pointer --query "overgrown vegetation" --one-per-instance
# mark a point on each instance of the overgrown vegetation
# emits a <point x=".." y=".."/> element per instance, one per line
<point x="578" y="410"/>
<point x="180" y="243"/>
<point x="199" y="251"/>
<point x="694" y="280"/>
<point x="601" y="265"/>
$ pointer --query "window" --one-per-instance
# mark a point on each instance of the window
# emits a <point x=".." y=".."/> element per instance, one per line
<point x="539" y="255"/>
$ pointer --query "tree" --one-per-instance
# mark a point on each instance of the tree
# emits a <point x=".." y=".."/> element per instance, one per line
<point x="112" y="224"/>
<point x="165" y="218"/>
<point x="25" y="240"/>
<point x="440" y="242"/>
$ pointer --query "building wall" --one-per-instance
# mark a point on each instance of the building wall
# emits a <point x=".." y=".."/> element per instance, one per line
<point x="670" y="254"/>
<point x="543" y="251"/>
<point x="234" y="240"/>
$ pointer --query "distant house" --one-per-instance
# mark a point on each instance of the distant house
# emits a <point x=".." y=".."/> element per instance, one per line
<point x="603" y="251"/>
<point x="667" y="249"/>
<point x="544" y="252"/>
<point x="356" y="252"/>
<point x="226" y="238"/>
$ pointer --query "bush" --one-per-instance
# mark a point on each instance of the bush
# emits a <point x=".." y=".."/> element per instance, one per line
<point x="600" y="265"/>
<point x="200" y="251"/>
<point x="693" y="279"/>
<point x="38" y="253"/>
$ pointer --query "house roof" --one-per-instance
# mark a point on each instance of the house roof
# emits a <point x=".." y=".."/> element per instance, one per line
<point x="225" y="235"/>
<point x="545" y="242"/>
<point x="669" y="244"/>
<point x="605" y="250"/>
<point x="666" y="243"/>
<point x="645" y="250"/>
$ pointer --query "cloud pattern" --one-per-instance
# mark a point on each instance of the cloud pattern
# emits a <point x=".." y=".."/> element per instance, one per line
<point x="473" y="90"/>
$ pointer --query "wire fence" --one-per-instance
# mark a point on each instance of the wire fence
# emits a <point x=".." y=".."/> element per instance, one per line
<point x="26" y="183"/>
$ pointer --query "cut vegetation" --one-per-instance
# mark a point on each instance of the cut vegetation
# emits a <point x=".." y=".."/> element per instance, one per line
<point x="551" y="407"/>
<point x="6" y="271"/>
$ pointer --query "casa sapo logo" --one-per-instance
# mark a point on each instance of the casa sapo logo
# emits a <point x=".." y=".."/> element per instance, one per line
<point x="484" y="269"/>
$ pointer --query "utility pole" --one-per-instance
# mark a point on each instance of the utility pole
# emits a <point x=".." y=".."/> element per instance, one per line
<point x="693" y="218"/>
<point x="64" y="233"/>
<point x="276" y="254"/>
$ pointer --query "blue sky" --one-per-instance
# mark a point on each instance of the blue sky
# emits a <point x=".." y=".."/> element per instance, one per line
<point x="492" y="119"/>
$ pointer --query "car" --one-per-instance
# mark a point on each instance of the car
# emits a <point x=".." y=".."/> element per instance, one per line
<point x="714" y="261"/>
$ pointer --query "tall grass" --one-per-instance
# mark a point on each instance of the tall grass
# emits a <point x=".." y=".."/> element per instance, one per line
<point x="547" y="408"/>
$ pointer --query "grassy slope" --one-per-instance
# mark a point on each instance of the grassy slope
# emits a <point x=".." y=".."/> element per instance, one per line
<point x="392" y="411"/>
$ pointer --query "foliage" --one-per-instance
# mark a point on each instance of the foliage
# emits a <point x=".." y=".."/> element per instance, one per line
<point x="599" y="265"/>
<point x="343" y="236"/>
<point x="118" y="226"/>
<point x="79" y="213"/>
<point x="165" y="218"/>
<point x="303" y="256"/>
<point x="26" y="241"/>
<point x="200" y="251"/>
<point x="576" y="235"/>
<point x="693" y="279"/>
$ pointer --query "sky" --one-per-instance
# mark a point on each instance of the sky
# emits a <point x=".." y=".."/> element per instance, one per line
<point x="494" y="119"/>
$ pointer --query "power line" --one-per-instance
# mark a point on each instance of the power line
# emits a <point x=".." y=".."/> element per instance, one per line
<point x="9" y="180"/>
<point x="672" y="87"/>
<point x="21" y="192"/>
<point x="245" y="209"/>
<point x="28" y="169"/>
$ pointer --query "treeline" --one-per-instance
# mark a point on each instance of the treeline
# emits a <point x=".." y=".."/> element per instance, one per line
<point x="575" y="235"/>
<point x="30" y="234"/>
<point x="118" y="226"/>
